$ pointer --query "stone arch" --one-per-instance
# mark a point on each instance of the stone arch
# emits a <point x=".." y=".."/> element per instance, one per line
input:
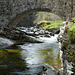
<point x="13" y="9"/>
<point x="18" y="18"/>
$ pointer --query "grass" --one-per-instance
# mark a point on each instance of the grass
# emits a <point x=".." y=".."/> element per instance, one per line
<point x="51" y="24"/>
<point x="56" y="24"/>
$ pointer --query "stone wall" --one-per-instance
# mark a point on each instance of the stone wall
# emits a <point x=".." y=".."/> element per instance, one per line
<point x="12" y="11"/>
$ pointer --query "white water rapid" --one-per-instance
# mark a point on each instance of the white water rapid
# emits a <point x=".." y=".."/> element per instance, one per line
<point x="37" y="54"/>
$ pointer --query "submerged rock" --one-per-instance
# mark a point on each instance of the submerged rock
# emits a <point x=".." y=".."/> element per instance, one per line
<point x="50" y="70"/>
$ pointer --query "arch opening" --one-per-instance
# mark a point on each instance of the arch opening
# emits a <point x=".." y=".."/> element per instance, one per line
<point x="19" y="18"/>
<point x="36" y="17"/>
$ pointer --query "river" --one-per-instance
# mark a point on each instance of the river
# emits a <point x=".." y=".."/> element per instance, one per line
<point x="29" y="58"/>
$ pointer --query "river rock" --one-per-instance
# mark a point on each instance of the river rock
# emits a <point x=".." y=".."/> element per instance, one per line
<point x="54" y="30"/>
<point x="50" y="70"/>
<point x="17" y="35"/>
<point x="5" y="42"/>
<point x="57" y="31"/>
<point x="47" y="35"/>
<point x="23" y="34"/>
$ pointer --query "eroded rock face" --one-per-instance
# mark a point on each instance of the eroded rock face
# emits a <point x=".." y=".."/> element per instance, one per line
<point x="68" y="49"/>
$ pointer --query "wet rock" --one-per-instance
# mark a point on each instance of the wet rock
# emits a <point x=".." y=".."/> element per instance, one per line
<point x="34" y="40"/>
<point x="17" y="35"/>
<point x="46" y="32"/>
<point x="5" y="42"/>
<point x="3" y="45"/>
<point x="47" y="35"/>
<point x="42" y="32"/>
<point x="52" y="34"/>
<point x="35" y="29"/>
<point x="31" y="33"/>
<point x="57" y="31"/>
<point x="53" y="30"/>
<point x="22" y="34"/>
<point x="50" y="70"/>
<point x="36" y="33"/>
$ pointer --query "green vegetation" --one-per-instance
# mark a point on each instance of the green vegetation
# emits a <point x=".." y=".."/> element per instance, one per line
<point x="47" y="16"/>
<point x="71" y="31"/>
<point x="50" y="24"/>
<point x="70" y="52"/>
<point x="70" y="55"/>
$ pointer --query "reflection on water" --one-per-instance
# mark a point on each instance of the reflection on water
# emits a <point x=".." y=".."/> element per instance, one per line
<point x="51" y="57"/>
<point x="11" y="63"/>
<point x="29" y="58"/>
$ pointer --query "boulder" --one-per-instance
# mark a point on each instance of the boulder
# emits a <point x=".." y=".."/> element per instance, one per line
<point x="4" y="42"/>
<point x="17" y="35"/>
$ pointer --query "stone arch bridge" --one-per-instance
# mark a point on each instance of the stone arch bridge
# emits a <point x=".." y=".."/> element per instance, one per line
<point x="12" y="11"/>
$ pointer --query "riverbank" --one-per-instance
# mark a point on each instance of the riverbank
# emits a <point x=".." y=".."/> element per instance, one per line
<point x="67" y="40"/>
<point x="70" y="47"/>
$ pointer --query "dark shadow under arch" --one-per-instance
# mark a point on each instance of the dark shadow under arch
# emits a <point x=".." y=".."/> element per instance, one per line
<point x="13" y="23"/>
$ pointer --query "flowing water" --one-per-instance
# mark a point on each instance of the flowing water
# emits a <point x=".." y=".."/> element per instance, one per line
<point x="29" y="58"/>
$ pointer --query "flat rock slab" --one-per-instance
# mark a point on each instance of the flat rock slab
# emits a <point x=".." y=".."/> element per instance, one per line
<point x="17" y="35"/>
<point x="4" y="42"/>
<point x="48" y="72"/>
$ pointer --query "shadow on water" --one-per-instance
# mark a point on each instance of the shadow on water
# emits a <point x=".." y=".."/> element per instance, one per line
<point x="11" y="62"/>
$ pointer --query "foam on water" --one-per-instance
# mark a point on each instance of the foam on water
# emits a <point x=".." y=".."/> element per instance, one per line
<point x="53" y="39"/>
